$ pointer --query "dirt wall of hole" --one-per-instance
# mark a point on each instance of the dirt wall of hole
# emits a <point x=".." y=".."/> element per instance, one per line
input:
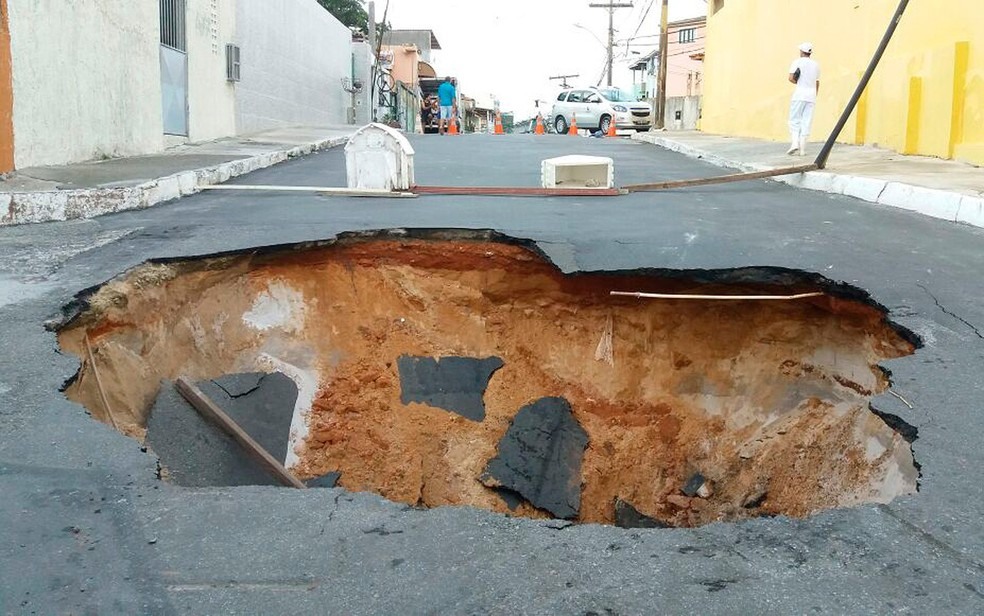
<point x="769" y="400"/>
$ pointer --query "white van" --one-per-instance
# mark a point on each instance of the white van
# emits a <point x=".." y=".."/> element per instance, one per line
<point x="595" y="108"/>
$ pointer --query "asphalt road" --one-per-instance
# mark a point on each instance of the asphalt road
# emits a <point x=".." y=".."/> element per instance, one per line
<point x="85" y="527"/>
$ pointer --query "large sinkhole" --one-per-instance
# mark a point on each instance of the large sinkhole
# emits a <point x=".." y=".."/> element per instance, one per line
<point x="463" y="368"/>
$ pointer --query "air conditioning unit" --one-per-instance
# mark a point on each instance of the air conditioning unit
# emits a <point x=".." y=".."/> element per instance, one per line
<point x="232" y="62"/>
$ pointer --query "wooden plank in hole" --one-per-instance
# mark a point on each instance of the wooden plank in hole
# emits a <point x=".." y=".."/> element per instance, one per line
<point x="211" y="411"/>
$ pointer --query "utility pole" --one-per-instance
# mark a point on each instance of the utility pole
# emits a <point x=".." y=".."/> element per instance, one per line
<point x="660" y="106"/>
<point x="611" y="6"/>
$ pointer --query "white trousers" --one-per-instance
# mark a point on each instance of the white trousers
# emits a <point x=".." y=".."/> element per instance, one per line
<point x="800" y="120"/>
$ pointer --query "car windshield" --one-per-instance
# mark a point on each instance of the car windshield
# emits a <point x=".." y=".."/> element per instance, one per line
<point x="617" y="95"/>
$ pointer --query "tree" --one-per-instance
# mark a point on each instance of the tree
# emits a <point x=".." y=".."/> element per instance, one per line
<point x="351" y="13"/>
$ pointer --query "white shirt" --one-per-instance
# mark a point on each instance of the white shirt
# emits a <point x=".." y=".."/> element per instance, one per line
<point x="806" y="87"/>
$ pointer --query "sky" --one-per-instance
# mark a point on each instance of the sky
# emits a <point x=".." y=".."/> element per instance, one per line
<point x="508" y="49"/>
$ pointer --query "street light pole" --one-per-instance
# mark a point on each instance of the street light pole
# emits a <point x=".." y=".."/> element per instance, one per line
<point x="611" y="6"/>
<point x="660" y="107"/>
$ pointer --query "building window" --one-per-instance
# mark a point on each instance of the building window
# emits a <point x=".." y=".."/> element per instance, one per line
<point x="687" y="35"/>
<point x="173" y="30"/>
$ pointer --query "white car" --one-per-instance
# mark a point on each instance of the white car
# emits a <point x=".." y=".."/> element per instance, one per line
<point x="596" y="108"/>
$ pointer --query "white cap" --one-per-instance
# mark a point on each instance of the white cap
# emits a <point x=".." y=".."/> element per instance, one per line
<point x="806" y="47"/>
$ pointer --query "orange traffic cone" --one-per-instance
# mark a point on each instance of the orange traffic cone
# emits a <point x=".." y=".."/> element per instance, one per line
<point x="573" y="129"/>
<point x="611" y="129"/>
<point x="498" y="124"/>
<point x="539" y="125"/>
<point x="453" y="126"/>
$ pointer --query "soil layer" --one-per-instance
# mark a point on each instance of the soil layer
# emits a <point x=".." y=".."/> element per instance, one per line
<point x="767" y="400"/>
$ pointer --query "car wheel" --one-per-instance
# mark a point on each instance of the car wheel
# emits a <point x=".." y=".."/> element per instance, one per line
<point x="606" y="122"/>
<point x="560" y="125"/>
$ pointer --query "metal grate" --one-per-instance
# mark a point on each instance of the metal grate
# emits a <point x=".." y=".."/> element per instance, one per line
<point x="232" y="62"/>
<point x="173" y="24"/>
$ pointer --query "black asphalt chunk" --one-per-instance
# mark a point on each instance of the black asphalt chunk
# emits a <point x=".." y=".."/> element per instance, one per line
<point x="512" y="499"/>
<point x="328" y="480"/>
<point x="265" y="410"/>
<point x="197" y="453"/>
<point x="540" y="457"/>
<point x="693" y="484"/>
<point x="627" y="516"/>
<point x="455" y="384"/>
<point x="236" y="385"/>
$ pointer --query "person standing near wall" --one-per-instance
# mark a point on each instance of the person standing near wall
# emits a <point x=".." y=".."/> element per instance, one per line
<point x="447" y="97"/>
<point x="805" y="73"/>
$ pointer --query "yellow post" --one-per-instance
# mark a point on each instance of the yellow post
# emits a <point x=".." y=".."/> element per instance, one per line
<point x="861" y="118"/>
<point x="960" y="62"/>
<point x="914" y="113"/>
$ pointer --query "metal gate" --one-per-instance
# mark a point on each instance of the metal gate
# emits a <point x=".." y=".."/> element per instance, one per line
<point x="174" y="67"/>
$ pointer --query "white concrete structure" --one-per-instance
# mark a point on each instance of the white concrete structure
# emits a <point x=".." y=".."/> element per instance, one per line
<point x="577" y="171"/>
<point x="294" y="57"/>
<point x="85" y="77"/>
<point x="211" y="97"/>
<point x="378" y="157"/>
<point x="96" y="79"/>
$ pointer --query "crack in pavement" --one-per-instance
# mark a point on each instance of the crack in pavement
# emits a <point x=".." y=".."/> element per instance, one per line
<point x="973" y="328"/>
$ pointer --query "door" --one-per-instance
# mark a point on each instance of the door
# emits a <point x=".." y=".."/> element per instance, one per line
<point x="174" y="67"/>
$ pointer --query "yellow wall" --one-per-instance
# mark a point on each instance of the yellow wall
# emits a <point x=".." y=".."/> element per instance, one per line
<point x="927" y="96"/>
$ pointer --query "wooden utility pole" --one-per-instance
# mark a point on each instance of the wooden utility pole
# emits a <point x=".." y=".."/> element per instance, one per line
<point x="611" y="6"/>
<point x="660" y="106"/>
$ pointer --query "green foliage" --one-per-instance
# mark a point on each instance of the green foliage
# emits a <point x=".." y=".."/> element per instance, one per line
<point x="352" y="13"/>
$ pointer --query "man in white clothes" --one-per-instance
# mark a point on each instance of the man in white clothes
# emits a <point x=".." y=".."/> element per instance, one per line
<point x="805" y="73"/>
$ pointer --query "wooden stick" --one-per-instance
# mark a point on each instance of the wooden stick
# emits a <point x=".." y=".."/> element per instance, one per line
<point x="324" y="190"/>
<point x="211" y="411"/>
<point x="716" y="297"/>
<point x="99" y="384"/>
<point x="720" y="179"/>
<point x="904" y="401"/>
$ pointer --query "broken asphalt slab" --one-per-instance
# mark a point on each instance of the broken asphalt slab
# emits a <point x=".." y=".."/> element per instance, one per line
<point x="195" y="452"/>
<point x="539" y="457"/>
<point x="455" y="384"/>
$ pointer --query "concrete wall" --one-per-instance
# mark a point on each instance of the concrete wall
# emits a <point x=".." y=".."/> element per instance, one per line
<point x="86" y="79"/>
<point x="926" y="98"/>
<point x="294" y="56"/>
<point x="362" y="56"/>
<point x="6" y="96"/>
<point x="211" y="98"/>
<point x="689" y="108"/>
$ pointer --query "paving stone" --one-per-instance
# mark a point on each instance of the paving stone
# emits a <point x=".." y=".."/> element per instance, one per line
<point x="540" y="457"/>
<point x="455" y="384"/>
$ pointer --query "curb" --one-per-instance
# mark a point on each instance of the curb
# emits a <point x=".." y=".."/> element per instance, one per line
<point x="55" y="205"/>
<point x="941" y="204"/>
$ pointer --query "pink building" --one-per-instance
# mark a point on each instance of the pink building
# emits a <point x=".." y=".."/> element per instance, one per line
<point x="684" y="61"/>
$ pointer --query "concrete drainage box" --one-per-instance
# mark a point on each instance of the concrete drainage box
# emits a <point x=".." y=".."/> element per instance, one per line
<point x="577" y="171"/>
<point x="379" y="157"/>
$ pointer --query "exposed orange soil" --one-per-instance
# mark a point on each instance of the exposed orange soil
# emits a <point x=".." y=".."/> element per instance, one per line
<point x="768" y="400"/>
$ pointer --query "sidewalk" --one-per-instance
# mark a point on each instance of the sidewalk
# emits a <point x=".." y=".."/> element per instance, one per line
<point x="84" y="190"/>
<point x="940" y="188"/>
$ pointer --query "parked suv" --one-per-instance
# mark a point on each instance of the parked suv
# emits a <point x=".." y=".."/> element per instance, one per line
<point x="597" y="107"/>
